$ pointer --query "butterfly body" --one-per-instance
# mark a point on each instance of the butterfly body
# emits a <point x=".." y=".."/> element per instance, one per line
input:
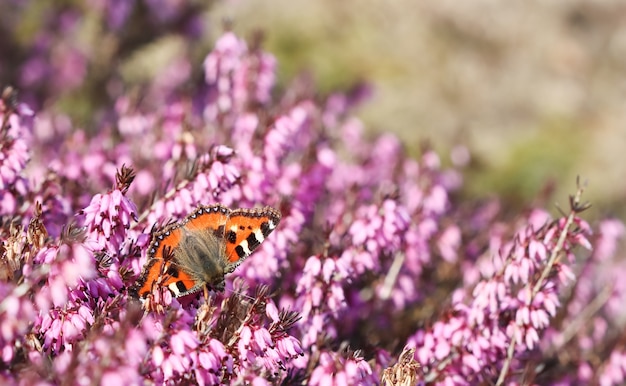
<point x="199" y="251"/>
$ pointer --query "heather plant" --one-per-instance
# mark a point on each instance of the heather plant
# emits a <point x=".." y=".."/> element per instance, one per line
<point x="377" y="273"/>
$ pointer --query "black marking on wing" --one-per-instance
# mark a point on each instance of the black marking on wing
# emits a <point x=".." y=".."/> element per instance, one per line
<point x="240" y="252"/>
<point x="219" y="232"/>
<point x="181" y="287"/>
<point x="265" y="228"/>
<point x="231" y="237"/>
<point x="172" y="271"/>
<point x="253" y="242"/>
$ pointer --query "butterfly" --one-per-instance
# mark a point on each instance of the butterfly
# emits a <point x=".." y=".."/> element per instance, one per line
<point x="199" y="251"/>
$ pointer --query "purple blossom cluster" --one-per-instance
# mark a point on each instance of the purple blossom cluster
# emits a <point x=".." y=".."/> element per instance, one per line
<point x="377" y="273"/>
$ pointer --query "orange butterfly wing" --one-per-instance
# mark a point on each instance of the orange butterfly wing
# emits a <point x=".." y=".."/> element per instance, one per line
<point x="161" y="269"/>
<point x="246" y="229"/>
<point x="242" y="230"/>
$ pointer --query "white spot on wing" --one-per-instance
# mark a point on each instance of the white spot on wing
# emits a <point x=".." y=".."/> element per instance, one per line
<point x="244" y="246"/>
<point x="174" y="289"/>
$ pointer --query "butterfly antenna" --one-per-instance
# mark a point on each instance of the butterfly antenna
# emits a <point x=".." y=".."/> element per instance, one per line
<point x="241" y="294"/>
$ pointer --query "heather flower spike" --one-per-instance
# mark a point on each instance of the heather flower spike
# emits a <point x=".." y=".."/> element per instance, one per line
<point x="123" y="178"/>
<point x="322" y="253"/>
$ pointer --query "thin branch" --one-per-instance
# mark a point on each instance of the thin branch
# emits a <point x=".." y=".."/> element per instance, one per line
<point x="559" y="246"/>
<point x="392" y="276"/>
<point x="598" y="302"/>
<point x="575" y="207"/>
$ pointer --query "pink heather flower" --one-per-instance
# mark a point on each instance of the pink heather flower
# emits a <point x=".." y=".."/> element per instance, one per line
<point x="70" y="267"/>
<point x="107" y="219"/>
<point x="16" y="314"/>
<point x="131" y="123"/>
<point x="177" y="362"/>
<point x="56" y="208"/>
<point x="336" y="370"/>
<point x="268" y="349"/>
<point x="63" y="328"/>
<point x="449" y="243"/>
<point x="14" y="152"/>
<point x="611" y="231"/>
<point x="216" y="180"/>
<point x="375" y="230"/>
<point x="230" y="71"/>
<point x="614" y="372"/>
<point x="64" y="315"/>
<point x="320" y="297"/>
<point x="288" y="133"/>
<point x="210" y="361"/>
<point x="264" y="66"/>
<point x="584" y="332"/>
<point x="480" y="333"/>
<point x="374" y="246"/>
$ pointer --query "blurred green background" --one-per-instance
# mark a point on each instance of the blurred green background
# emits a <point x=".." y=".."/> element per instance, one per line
<point x="536" y="90"/>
